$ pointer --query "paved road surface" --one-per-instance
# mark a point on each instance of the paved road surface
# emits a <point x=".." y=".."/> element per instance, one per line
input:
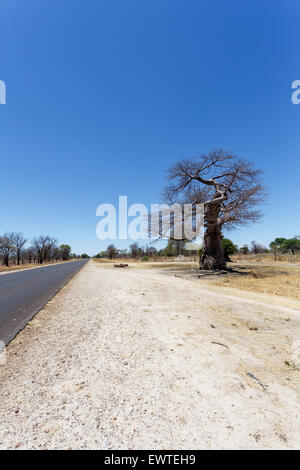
<point x="24" y="293"/>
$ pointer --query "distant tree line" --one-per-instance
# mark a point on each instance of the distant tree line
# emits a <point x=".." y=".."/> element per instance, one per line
<point x="177" y="248"/>
<point x="172" y="249"/>
<point x="15" y="249"/>
<point x="280" y="245"/>
<point x="285" y="245"/>
<point x="134" y="251"/>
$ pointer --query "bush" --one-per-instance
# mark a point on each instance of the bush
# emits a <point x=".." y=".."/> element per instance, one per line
<point x="229" y="248"/>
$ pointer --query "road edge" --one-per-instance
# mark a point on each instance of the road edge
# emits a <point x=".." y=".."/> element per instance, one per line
<point x="43" y="304"/>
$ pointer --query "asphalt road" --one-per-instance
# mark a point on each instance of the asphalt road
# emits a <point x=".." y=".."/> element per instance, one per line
<point x="24" y="293"/>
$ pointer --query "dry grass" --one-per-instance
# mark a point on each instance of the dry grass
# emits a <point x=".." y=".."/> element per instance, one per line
<point x="261" y="274"/>
<point x="282" y="280"/>
<point x="16" y="268"/>
<point x="111" y="262"/>
<point x="267" y="258"/>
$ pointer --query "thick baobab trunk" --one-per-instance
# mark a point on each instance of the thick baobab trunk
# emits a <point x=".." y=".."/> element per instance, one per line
<point x="212" y="257"/>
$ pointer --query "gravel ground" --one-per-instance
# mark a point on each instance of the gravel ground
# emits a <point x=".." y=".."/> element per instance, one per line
<point x="135" y="359"/>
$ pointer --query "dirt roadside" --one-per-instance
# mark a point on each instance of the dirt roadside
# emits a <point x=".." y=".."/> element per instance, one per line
<point x="135" y="359"/>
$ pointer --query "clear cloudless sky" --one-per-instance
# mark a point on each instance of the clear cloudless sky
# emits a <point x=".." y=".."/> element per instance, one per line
<point x="104" y="95"/>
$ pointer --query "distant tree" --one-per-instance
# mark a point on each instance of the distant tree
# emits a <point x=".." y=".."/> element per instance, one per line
<point x="257" y="248"/>
<point x="111" y="251"/>
<point x="51" y="245"/>
<point x="56" y="253"/>
<point x="151" y="251"/>
<point x="134" y="250"/>
<point x="274" y="248"/>
<point x="244" y="249"/>
<point x="6" y="248"/>
<point x="169" y="249"/>
<point x="28" y="255"/>
<point x="280" y="241"/>
<point x="254" y="247"/>
<point x="38" y="245"/>
<point x="277" y="246"/>
<point x="174" y="248"/>
<point x="229" y="248"/>
<point x="18" y="241"/>
<point x="292" y="245"/>
<point x="43" y="246"/>
<point x="178" y="246"/>
<point x="65" y="251"/>
<point x="84" y="255"/>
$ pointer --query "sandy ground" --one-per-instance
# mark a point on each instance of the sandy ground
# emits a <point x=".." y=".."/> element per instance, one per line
<point x="129" y="359"/>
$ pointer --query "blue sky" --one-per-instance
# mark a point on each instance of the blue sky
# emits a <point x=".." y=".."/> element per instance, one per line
<point x="103" y="96"/>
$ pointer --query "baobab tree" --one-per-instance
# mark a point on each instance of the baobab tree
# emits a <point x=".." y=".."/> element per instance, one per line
<point x="257" y="248"/>
<point x="230" y="189"/>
